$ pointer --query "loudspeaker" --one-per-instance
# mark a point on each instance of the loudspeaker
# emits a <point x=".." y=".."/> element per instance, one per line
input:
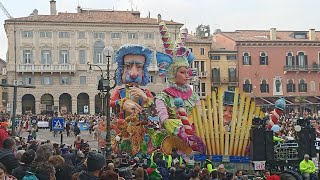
<point x="269" y="145"/>
<point x="258" y="144"/>
<point x="303" y="140"/>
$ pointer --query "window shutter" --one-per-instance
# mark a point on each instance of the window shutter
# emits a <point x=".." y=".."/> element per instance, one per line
<point x="24" y="57"/>
<point x="266" y="60"/>
<point x="68" y="57"/>
<point x="244" y="88"/>
<point x="42" y="56"/>
<point x="294" y="87"/>
<point x="60" y="57"/>
<point x="249" y="60"/>
<point x="288" y="88"/>
<point x="31" y="61"/>
<point x="297" y="60"/>
<point x="306" y="87"/>
<point x="287" y="61"/>
<point x="250" y="85"/>
<point x="50" y="58"/>
<point x="267" y="88"/>
<point x="229" y="75"/>
<point x="243" y="60"/>
<point x="306" y="60"/>
<point x="293" y="63"/>
<point x="261" y="88"/>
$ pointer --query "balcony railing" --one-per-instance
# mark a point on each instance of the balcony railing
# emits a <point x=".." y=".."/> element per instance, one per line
<point x="202" y="74"/>
<point x="224" y="80"/>
<point x="24" y="68"/>
<point x="314" y="67"/>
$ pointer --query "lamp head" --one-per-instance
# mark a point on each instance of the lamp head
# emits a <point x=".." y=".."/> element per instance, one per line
<point x="108" y="51"/>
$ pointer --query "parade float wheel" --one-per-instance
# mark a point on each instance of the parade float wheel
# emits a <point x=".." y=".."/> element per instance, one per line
<point x="171" y="142"/>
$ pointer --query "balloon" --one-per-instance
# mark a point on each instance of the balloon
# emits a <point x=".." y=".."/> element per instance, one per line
<point x="275" y="128"/>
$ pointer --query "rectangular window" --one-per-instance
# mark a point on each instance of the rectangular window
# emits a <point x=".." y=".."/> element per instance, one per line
<point x="83" y="80"/>
<point x="27" y="81"/>
<point x="190" y="49"/>
<point x="99" y="58"/>
<point x="201" y="51"/>
<point x="149" y="35"/>
<point x="27" y="56"/>
<point x="81" y="35"/>
<point x="132" y="35"/>
<point x="82" y="56"/>
<point x="45" y="34"/>
<point x="115" y="35"/>
<point x="203" y="89"/>
<point x="27" y="34"/>
<point x="231" y="57"/>
<point x="215" y="57"/>
<point x="65" y="80"/>
<point x="64" y="57"/>
<point x="45" y="57"/>
<point x="98" y="35"/>
<point x="63" y="34"/>
<point x="47" y="80"/>
<point x="202" y="66"/>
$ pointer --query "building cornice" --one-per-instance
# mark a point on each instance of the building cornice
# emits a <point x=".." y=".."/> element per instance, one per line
<point x="277" y="43"/>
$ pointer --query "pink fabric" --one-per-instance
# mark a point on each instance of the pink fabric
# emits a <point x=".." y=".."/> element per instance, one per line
<point x="176" y="93"/>
<point x="161" y="110"/>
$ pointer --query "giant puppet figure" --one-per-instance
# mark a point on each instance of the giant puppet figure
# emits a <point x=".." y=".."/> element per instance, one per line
<point x="275" y="115"/>
<point x="175" y="103"/>
<point x="129" y="99"/>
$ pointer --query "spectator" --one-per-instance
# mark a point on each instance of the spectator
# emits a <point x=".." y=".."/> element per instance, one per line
<point x="44" y="152"/>
<point x="307" y="167"/>
<point x="4" y="175"/>
<point x="139" y="173"/>
<point x="63" y="171"/>
<point x="45" y="171"/>
<point x="3" y="132"/>
<point x="214" y="175"/>
<point x="239" y="174"/>
<point x="205" y="175"/>
<point x="26" y="160"/>
<point x="181" y="173"/>
<point x="194" y="175"/>
<point x="221" y="172"/>
<point x="95" y="163"/>
<point x="109" y="175"/>
<point x="244" y="177"/>
<point x="7" y="158"/>
<point x="19" y="154"/>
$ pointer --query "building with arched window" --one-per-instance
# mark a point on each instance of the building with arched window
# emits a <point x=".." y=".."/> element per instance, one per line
<point x="51" y="52"/>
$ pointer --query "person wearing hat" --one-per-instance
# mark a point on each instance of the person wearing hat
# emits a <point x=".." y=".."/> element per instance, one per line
<point x="95" y="163"/>
<point x="3" y="132"/>
<point x="307" y="167"/>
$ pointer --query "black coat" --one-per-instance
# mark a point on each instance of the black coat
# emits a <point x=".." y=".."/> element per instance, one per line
<point x="85" y="176"/>
<point x="20" y="171"/>
<point x="8" y="159"/>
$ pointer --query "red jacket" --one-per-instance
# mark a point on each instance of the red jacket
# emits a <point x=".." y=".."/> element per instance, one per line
<point x="3" y="134"/>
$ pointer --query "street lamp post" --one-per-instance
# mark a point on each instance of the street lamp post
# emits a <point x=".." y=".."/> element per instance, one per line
<point x="105" y="86"/>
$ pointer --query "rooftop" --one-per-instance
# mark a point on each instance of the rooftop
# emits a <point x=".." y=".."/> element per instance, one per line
<point x="264" y="35"/>
<point x="199" y="40"/>
<point x="94" y="16"/>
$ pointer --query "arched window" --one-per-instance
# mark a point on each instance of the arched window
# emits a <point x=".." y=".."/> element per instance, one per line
<point x="302" y="60"/>
<point x="291" y="87"/>
<point x="289" y="59"/>
<point x="264" y="86"/>
<point x="98" y="57"/>
<point x="302" y="86"/>
<point x="247" y="86"/>
<point x="263" y="59"/>
<point x="246" y="59"/>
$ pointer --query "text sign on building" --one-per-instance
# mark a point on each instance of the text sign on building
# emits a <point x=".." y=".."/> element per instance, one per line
<point x="57" y="124"/>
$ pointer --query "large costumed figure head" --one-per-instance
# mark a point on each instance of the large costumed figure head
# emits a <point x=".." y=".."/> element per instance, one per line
<point x="133" y="62"/>
<point x="176" y="59"/>
<point x="280" y="105"/>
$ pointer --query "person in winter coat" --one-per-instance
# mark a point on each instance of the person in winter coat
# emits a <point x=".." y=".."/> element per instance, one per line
<point x="3" y="132"/>
<point x="26" y="160"/>
<point x="7" y="158"/>
<point x="63" y="171"/>
<point x="4" y="175"/>
<point x="95" y="164"/>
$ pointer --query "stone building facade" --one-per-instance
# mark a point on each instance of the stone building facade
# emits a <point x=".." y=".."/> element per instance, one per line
<point x="51" y="52"/>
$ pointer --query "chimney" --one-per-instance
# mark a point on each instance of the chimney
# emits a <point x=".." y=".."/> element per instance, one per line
<point x="53" y="8"/>
<point x="78" y="9"/>
<point x="312" y="34"/>
<point x="159" y="18"/>
<point x="273" y="34"/>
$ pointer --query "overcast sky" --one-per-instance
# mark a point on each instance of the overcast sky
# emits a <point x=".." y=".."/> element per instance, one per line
<point x="227" y="15"/>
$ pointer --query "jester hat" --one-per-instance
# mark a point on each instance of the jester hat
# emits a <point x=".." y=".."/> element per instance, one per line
<point x="176" y="53"/>
<point x="133" y="49"/>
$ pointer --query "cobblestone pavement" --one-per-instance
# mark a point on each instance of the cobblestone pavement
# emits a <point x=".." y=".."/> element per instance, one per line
<point x="45" y="134"/>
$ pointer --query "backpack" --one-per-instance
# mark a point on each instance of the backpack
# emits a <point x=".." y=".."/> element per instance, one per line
<point x="30" y="176"/>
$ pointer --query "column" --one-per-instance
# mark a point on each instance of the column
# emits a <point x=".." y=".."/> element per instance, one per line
<point x="92" y="104"/>
<point x="74" y="106"/>
<point x="37" y="106"/>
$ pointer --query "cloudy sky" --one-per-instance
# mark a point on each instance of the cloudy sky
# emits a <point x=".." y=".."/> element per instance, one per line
<point x="227" y="15"/>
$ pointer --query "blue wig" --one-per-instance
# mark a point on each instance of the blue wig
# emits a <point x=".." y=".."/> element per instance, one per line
<point x="133" y="49"/>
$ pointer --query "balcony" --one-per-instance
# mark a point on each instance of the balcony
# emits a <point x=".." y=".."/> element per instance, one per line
<point x="46" y="68"/>
<point x="202" y="74"/>
<point x="225" y="80"/>
<point x="314" y="67"/>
